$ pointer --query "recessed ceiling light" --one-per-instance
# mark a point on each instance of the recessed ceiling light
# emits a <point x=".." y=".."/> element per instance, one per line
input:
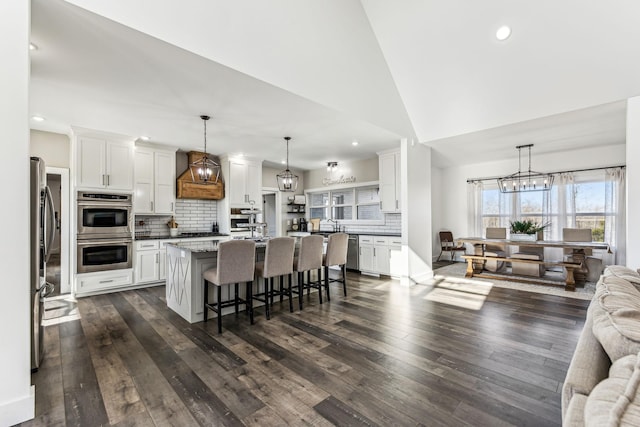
<point x="145" y="138"/>
<point x="283" y="162"/>
<point x="354" y="143"/>
<point x="503" y="33"/>
<point x="33" y="46"/>
<point x="38" y="118"/>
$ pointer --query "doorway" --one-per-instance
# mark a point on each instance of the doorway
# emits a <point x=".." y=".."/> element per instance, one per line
<point x="58" y="267"/>
<point x="269" y="213"/>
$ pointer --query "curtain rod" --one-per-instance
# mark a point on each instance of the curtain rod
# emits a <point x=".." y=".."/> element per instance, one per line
<point x="551" y="173"/>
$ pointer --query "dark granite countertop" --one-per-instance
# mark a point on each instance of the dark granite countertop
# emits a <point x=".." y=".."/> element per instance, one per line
<point x="361" y="233"/>
<point x="207" y="245"/>
<point x="182" y="236"/>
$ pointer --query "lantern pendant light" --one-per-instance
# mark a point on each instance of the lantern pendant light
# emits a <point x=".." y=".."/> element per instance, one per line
<point x="287" y="181"/>
<point x="207" y="171"/>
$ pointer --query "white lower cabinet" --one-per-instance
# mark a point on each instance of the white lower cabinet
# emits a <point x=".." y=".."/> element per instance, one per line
<point x="104" y="281"/>
<point x="375" y="254"/>
<point x="149" y="258"/>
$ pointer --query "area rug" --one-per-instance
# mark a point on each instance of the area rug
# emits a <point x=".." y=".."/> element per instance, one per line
<point x="457" y="271"/>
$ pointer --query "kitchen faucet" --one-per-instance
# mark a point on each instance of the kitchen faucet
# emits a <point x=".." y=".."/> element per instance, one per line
<point x="336" y="225"/>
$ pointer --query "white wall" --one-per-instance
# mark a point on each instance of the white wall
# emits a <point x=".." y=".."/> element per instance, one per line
<point x="633" y="182"/>
<point x="453" y="191"/>
<point x="16" y="394"/>
<point x="416" y="205"/>
<point x="52" y="147"/>
<point x="363" y="170"/>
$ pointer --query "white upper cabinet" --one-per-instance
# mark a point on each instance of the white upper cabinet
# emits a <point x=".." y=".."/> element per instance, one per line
<point x="389" y="181"/>
<point x="155" y="178"/>
<point x="104" y="161"/>
<point x="244" y="182"/>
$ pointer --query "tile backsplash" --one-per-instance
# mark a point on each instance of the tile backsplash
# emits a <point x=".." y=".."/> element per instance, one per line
<point x="191" y="216"/>
<point x="392" y="225"/>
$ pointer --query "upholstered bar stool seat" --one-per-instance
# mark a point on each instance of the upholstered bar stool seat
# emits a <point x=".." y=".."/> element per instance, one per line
<point x="278" y="262"/>
<point x="235" y="264"/>
<point x="336" y="256"/>
<point x="309" y="258"/>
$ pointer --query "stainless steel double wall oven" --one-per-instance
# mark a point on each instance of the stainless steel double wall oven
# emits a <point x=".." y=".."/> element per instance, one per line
<point x="105" y="227"/>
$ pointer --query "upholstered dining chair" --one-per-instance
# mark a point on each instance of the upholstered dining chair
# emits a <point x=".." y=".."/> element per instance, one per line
<point x="495" y="250"/>
<point x="447" y="244"/>
<point x="336" y="256"/>
<point x="592" y="265"/>
<point x="278" y="262"/>
<point x="235" y="264"/>
<point x="309" y="258"/>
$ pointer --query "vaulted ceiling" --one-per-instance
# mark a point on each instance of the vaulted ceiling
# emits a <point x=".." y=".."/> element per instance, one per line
<point x="334" y="71"/>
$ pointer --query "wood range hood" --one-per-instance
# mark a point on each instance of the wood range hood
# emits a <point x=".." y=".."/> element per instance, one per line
<point x="187" y="189"/>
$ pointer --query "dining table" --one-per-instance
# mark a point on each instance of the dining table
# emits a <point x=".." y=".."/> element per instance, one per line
<point x="575" y="269"/>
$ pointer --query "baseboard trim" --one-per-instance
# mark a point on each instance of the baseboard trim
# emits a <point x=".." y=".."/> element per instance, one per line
<point x="422" y="276"/>
<point x="20" y="410"/>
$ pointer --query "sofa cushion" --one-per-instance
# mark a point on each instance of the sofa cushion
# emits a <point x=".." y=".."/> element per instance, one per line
<point x="616" y="317"/>
<point x="623" y="273"/>
<point x="615" y="401"/>
<point x="575" y="412"/>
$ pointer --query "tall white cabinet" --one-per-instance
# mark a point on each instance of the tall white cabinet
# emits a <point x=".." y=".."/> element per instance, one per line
<point x="244" y="182"/>
<point x="155" y="180"/>
<point x="389" y="180"/>
<point x="103" y="160"/>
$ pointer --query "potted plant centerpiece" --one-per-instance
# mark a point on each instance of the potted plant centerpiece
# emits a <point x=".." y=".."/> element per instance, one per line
<point x="527" y="230"/>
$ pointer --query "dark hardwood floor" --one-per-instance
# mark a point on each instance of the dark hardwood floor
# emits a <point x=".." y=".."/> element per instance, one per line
<point x="385" y="355"/>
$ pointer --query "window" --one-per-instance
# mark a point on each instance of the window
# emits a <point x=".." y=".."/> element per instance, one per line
<point x="350" y="204"/>
<point x="577" y="200"/>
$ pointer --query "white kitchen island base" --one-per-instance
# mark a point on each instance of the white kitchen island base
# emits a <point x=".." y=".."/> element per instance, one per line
<point x="185" y="286"/>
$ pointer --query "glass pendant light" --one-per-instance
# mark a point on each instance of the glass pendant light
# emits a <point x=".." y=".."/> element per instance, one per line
<point x="207" y="171"/>
<point x="287" y="181"/>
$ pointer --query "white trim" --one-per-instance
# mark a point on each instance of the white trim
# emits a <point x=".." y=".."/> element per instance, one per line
<point x="65" y="238"/>
<point x="20" y="410"/>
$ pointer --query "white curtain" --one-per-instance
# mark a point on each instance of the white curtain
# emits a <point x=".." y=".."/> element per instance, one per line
<point x="615" y="225"/>
<point x="474" y="203"/>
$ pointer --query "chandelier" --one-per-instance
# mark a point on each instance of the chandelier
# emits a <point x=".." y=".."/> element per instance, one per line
<point x="208" y="171"/>
<point x="525" y="181"/>
<point x="287" y="181"/>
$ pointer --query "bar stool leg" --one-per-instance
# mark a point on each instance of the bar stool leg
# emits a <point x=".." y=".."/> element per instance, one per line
<point x="249" y="303"/>
<point x="236" y="298"/>
<point x="206" y="298"/>
<point x="290" y="294"/>
<point x="266" y="298"/>
<point x="344" y="279"/>
<point x="219" y="303"/>
<point x="326" y="282"/>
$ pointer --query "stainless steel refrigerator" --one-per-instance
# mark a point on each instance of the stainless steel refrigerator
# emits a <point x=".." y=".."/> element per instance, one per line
<point x="42" y="232"/>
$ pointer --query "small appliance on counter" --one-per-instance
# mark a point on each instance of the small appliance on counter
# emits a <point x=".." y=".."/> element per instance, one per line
<point x="303" y="224"/>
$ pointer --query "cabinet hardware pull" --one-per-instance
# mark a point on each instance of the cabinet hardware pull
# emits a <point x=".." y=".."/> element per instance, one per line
<point x="158" y="258"/>
<point x="108" y="183"/>
<point x="152" y="205"/>
<point x="171" y="206"/>
<point x="103" y="180"/>
<point x="396" y="204"/>
<point x="105" y="281"/>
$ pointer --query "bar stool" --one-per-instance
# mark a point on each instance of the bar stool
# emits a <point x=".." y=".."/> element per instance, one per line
<point x="278" y="262"/>
<point x="235" y="264"/>
<point x="336" y="255"/>
<point x="309" y="258"/>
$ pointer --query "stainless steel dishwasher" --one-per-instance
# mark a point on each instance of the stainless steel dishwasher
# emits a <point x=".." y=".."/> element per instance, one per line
<point x="352" y="252"/>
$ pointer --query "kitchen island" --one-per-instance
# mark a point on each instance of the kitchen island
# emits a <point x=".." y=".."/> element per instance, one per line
<point x="184" y="288"/>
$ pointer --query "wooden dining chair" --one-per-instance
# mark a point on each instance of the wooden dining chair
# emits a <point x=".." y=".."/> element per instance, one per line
<point x="447" y="244"/>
